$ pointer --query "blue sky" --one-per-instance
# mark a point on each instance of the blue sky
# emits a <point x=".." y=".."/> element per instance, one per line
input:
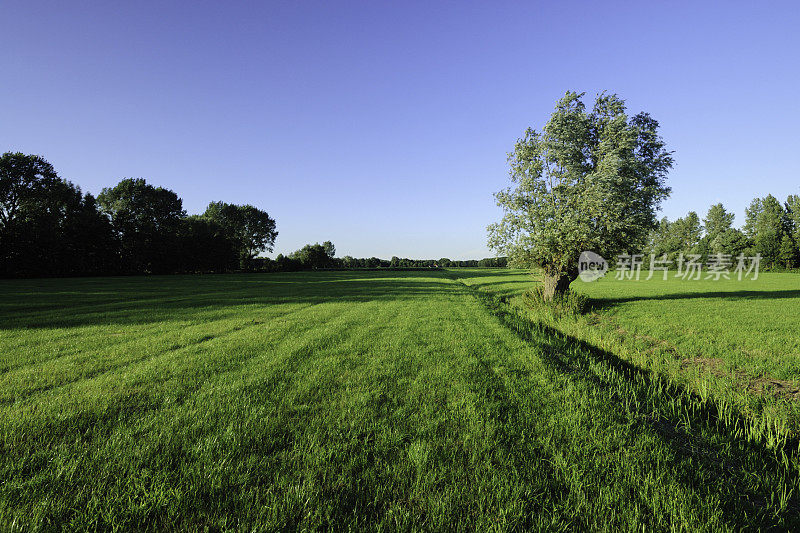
<point x="384" y="126"/>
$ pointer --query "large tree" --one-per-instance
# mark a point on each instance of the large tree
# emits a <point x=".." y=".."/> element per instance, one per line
<point x="589" y="180"/>
<point x="252" y="229"/>
<point x="24" y="182"/>
<point x="147" y="220"/>
<point x="47" y="226"/>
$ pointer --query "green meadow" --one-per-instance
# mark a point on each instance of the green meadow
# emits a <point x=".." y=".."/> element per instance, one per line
<point x="737" y="342"/>
<point x="388" y="400"/>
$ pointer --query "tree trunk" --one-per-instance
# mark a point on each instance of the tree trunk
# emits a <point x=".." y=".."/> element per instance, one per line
<point x="553" y="284"/>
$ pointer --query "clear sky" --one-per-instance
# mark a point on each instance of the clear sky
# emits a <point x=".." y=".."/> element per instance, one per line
<point x="384" y="126"/>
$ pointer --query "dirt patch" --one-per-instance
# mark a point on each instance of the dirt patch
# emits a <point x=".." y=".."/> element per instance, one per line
<point x="762" y="385"/>
<point x="776" y="387"/>
<point x="712" y="365"/>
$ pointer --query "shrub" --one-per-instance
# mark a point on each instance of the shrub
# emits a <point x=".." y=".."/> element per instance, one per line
<point x="567" y="303"/>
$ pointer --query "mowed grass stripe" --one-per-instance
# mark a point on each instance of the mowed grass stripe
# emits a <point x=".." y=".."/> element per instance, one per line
<point x="110" y="352"/>
<point x="34" y="338"/>
<point x="400" y="401"/>
<point x="177" y="370"/>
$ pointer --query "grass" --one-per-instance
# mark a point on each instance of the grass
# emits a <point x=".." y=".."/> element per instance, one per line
<point x="735" y="341"/>
<point x="353" y="400"/>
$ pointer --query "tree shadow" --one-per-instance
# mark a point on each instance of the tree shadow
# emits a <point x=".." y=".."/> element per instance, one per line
<point x="481" y="272"/>
<point x="712" y="446"/>
<point x="601" y="303"/>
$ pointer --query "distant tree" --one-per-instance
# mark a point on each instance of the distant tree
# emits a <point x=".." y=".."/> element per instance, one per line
<point x="793" y="218"/>
<point x="660" y="240"/>
<point x="588" y="181"/>
<point x="731" y="242"/>
<point x="287" y="264"/>
<point x="688" y="233"/>
<point x="751" y="214"/>
<point x="147" y="221"/>
<point x="493" y="262"/>
<point x="765" y="224"/>
<point x="720" y="236"/>
<point x="787" y="255"/>
<point x="205" y="247"/>
<point x="394" y="262"/>
<point x="330" y="249"/>
<point x="88" y="243"/>
<point x="313" y="256"/>
<point x="252" y="229"/>
<point x="717" y="221"/>
<point x="444" y="262"/>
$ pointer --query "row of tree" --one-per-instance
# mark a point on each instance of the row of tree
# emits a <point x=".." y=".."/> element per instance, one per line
<point x="319" y="256"/>
<point x="771" y="230"/>
<point x="48" y="227"/>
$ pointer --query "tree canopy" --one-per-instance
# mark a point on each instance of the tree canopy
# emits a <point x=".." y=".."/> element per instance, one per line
<point x="147" y="220"/>
<point x="47" y="226"/>
<point x="252" y="229"/>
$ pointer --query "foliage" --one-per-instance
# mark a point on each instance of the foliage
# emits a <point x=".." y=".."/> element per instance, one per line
<point x="787" y="254"/>
<point x="769" y="226"/>
<point x="47" y="227"/>
<point x="330" y="249"/>
<point x="766" y="227"/>
<point x="146" y="220"/>
<point x="251" y="229"/>
<point x="717" y="221"/>
<point x="683" y="236"/>
<point x="731" y="242"/>
<point x="314" y="256"/>
<point x="205" y="246"/>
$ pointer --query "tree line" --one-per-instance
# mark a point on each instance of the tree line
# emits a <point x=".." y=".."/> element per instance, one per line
<point x="771" y="229"/>
<point x="48" y="227"/>
<point x="322" y="256"/>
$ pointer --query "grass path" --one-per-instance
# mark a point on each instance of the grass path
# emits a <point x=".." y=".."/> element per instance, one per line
<point x="346" y="400"/>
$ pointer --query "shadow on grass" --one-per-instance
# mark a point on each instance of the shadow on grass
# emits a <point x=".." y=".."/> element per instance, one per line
<point x="710" y="453"/>
<point x="476" y="272"/>
<point x="142" y="300"/>
<point x="600" y="303"/>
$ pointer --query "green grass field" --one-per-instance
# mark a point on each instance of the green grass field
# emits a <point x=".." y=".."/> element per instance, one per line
<point x="392" y="400"/>
<point x="735" y="341"/>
